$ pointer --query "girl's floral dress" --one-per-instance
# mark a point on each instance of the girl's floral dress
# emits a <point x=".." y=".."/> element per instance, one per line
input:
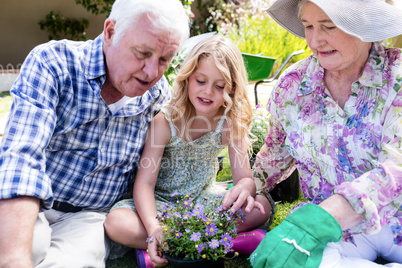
<point x="187" y="168"/>
<point x="355" y="151"/>
<point x="190" y="168"/>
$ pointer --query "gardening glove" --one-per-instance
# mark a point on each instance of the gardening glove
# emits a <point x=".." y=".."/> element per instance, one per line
<point x="299" y="241"/>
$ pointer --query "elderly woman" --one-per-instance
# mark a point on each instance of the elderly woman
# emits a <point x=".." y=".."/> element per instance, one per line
<point x="337" y="117"/>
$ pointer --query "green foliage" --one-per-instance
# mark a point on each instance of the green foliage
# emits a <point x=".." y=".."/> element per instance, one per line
<point x="105" y="6"/>
<point x="5" y="103"/>
<point x="259" y="131"/>
<point x="194" y="231"/>
<point x="225" y="174"/>
<point x="261" y="34"/>
<point x="259" y="128"/>
<point x="60" y="27"/>
<point x="97" y="6"/>
<point x="174" y="67"/>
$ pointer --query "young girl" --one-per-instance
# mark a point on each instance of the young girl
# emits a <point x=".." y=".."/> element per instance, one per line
<point x="208" y="111"/>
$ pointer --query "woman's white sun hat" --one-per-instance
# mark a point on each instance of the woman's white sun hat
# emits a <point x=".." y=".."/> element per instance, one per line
<point x="368" y="20"/>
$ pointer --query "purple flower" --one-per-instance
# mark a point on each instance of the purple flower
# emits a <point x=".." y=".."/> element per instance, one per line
<point x="225" y="239"/>
<point x="186" y="203"/>
<point x="177" y="214"/>
<point x="198" y="211"/>
<point x="201" y="247"/>
<point x="211" y="230"/>
<point x="213" y="244"/>
<point x="195" y="236"/>
<point x="178" y="235"/>
<point x="150" y="239"/>
<point x="227" y="247"/>
<point x="186" y="216"/>
<point x="219" y="209"/>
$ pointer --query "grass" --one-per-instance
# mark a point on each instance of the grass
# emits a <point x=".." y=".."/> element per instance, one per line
<point x="5" y="103"/>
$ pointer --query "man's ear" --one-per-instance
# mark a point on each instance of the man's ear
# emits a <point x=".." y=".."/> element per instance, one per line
<point x="108" y="31"/>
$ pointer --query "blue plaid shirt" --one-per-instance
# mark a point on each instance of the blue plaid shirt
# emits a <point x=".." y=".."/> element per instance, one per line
<point x="61" y="141"/>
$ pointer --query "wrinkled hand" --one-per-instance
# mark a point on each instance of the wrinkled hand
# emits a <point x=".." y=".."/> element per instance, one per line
<point x="241" y="195"/>
<point x="299" y="241"/>
<point x="156" y="256"/>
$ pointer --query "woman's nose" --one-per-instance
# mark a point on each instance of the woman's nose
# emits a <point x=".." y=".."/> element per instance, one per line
<point x="317" y="39"/>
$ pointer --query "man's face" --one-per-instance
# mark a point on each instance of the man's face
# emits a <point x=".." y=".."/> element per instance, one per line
<point x="139" y="59"/>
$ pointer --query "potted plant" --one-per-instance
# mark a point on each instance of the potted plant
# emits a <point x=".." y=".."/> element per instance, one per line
<point x="194" y="233"/>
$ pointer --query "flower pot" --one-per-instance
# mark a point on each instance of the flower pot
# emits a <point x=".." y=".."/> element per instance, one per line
<point x="200" y="263"/>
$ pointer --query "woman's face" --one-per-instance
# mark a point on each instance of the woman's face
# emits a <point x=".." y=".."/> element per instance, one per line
<point x="334" y="49"/>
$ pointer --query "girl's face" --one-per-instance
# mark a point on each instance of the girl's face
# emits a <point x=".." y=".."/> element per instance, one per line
<point x="334" y="49"/>
<point x="206" y="86"/>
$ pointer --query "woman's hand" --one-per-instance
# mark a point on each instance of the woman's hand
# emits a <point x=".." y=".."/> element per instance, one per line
<point x="340" y="208"/>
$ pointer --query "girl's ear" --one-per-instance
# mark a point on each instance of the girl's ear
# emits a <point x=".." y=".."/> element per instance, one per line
<point x="108" y="31"/>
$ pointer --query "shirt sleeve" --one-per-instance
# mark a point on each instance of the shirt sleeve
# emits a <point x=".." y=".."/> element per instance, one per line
<point x="377" y="194"/>
<point x="29" y="128"/>
<point x="273" y="162"/>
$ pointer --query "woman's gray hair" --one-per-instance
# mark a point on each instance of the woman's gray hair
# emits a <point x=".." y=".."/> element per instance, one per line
<point x="300" y="6"/>
<point x="168" y="15"/>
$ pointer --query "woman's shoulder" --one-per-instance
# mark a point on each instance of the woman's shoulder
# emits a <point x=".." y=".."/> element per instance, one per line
<point x="298" y="70"/>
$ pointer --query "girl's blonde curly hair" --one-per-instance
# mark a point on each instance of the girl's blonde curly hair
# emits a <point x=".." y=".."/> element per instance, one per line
<point x="229" y="61"/>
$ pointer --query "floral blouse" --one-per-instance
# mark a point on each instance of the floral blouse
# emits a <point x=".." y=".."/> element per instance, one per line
<point x="355" y="151"/>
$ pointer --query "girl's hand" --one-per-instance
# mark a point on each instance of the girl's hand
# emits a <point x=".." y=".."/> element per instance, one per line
<point x="154" y="253"/>
<point x="240" y="195"/>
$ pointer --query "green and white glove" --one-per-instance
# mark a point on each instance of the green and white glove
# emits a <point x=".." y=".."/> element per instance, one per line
<point x="299" y="241"/>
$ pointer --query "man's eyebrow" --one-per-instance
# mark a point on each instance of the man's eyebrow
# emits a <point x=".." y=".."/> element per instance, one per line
<point x="150" y="49"/>
<point x="171" y="54"/>
<point x="145" y="47"/>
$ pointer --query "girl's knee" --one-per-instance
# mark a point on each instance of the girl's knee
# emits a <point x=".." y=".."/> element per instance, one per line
<point x="116" y="221"/>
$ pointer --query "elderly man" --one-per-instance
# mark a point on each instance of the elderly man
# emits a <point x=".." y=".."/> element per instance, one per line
<point x="76" y="131"/>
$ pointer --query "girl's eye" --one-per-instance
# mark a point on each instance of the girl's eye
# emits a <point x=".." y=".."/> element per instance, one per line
<point x="200" y="82"/>
<point x="220" y="87"/>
